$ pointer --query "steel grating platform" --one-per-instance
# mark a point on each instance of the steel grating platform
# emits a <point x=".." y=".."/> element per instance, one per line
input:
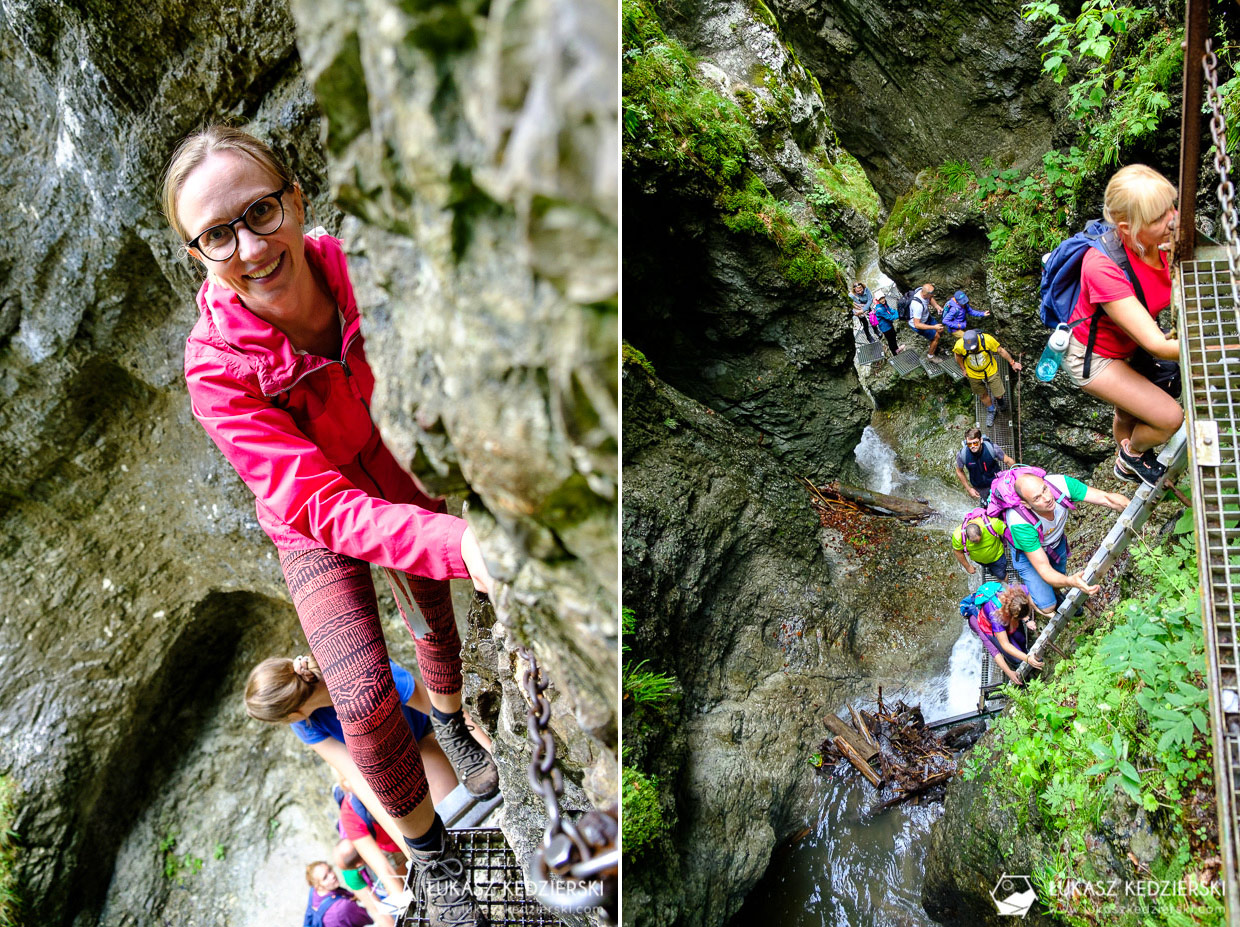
<point x="868" y="353"/>
<point x="1209" y="327"/>
<point x="929" y="365"/>
<point x="907" y="361"/>
<point x="496" y="880"/>
<point x="1001" y="433"/>
<point x="951" y="368"/>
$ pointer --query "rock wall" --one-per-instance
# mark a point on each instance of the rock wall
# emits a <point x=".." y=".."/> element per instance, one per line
<point x="712" y="308"/>
<point x="909" y="86"/>
<point x="138" y="589"/>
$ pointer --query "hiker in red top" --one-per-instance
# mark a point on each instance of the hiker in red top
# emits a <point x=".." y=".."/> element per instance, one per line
<point x="1131" y="365"/>
<point x="278" y="377"/>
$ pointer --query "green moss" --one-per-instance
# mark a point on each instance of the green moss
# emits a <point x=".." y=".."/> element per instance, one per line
<point x="643" y="821"/>
<point x="10" y="897"/>
<point x="844" y="182"/>
<point x="630" y="355"/>
<point x="915" y="211"/>
<point x="804" y="259"/>
<point x="671" y="117"/>
<point x="444" y="30"/>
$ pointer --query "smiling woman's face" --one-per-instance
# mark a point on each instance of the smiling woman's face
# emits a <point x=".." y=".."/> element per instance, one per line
<point x="265" y="269"/>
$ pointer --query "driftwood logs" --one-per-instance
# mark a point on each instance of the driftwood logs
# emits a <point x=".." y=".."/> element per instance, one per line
<point x="909" y="757"/>
<point x="875" y="503"/>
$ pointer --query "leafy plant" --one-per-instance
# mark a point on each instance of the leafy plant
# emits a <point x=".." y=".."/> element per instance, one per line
<point x="644" y="686"/>
<point x="1124" y="714"/>
<point x="10" y="895"/>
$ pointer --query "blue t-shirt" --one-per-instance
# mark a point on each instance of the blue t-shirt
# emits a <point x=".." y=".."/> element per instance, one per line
<point x="323" y="722"/>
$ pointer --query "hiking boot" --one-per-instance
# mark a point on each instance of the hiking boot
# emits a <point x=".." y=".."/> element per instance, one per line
<point x="472" y="763"/>
<point x="438" y="878"/>
<point x="1145" y="467"/>
<point x="1123" y="473"/>
<point x="990" y="416"/>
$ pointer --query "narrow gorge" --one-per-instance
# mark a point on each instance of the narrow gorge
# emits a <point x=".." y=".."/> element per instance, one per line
<point x="771" y="152"/>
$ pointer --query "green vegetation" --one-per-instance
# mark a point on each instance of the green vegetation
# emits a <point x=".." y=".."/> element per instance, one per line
<point x="673" y="122"/>
<point x="1124" y="721"/>
<point x="176" y="867"/>
<point x="220" y="851"/>
<point x="844" y="183"/>
<point x="644" y="824"/>
<point x="1125" y="65"/>
<point x="630" y="355"/>
<point x="648" y="697"/>
<point x="10" y="897"/>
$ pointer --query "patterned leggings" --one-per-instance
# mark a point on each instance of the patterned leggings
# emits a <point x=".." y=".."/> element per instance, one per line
<point x="335" y="601"/>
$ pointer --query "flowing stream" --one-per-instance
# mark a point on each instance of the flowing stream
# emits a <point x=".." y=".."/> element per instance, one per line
<point x="854" y="869"/>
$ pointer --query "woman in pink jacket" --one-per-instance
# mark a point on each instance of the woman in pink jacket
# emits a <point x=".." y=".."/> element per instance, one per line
<point x="278" y="377"/>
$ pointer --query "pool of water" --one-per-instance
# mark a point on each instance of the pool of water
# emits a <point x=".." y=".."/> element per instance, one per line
<point x="853" y="868"/>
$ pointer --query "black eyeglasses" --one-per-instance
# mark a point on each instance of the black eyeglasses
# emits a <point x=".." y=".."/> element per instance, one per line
<point x="262" y="217"/>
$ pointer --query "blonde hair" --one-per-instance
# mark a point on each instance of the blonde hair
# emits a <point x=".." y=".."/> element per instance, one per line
<point x="1140" y="196"/>
<point x="194" y="149"/>
<point x="279" y="686"/>
<point x="310" y="879"/>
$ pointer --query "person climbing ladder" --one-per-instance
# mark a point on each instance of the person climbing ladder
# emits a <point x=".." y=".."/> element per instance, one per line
<point x="975" y="354"/>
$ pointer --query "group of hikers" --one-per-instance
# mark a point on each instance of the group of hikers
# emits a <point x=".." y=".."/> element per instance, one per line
<point x="1107" y="286"/>
<point x="277" y="375"/>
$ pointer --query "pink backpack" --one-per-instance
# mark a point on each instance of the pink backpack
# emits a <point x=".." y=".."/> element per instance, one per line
<point x="1003" y="496"/>
<point x="1006" y="537"/>
<point x="873" y="318"/>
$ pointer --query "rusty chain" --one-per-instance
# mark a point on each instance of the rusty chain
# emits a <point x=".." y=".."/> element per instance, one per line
<point x="576" y="867"/>
<point x="1222" y="163"/>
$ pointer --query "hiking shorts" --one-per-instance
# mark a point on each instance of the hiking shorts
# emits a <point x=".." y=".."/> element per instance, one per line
<point x="1074" y="363"/>
<point x="990" y="386"/>
<point x="928" y="333"/>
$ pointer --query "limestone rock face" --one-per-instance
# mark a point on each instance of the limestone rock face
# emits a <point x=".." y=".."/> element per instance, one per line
<point x="138" y="589"/>
<point x="710" y="307"/>
<point x="909" y="86"/>
<point x="475" y="147"/>
<point x="723" y="566"/>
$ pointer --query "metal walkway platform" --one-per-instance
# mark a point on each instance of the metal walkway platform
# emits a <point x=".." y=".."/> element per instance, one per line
<point x="944" y="363"/>
<point x="931" y="365"/>
<point x="1002" y="433"/>
<point x="870" y="352"/>
<point x="496" y="880"/>
<point x="1207" y="319"/>
<point x="908" y="361"/>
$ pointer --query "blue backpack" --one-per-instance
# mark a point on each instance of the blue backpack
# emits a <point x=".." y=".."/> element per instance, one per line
<point x="985" y="592"/>
<point x="1061" y="278"/>
<point x="314" y="916"/>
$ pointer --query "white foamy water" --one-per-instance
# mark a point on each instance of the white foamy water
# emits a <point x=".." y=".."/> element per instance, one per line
<point x="877" y="461"/>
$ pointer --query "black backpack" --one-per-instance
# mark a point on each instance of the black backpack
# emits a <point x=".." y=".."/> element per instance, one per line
<point x="903" y="304"/>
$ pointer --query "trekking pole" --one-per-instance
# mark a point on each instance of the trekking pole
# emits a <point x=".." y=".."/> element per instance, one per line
<point x="1019" y="452"/>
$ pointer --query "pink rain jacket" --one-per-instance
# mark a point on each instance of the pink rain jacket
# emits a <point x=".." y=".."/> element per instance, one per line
<point x="297" y="429"/>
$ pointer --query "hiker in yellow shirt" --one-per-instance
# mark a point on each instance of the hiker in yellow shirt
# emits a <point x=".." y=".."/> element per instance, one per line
<point x="975" y="354"/>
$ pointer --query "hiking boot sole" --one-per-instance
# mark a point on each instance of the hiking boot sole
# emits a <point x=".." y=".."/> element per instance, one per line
<point x="1123" y="473"/>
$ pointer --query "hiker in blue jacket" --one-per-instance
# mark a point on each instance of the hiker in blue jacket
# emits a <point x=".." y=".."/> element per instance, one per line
<point x="957" y="312"/>
<point x="887" y="316"/>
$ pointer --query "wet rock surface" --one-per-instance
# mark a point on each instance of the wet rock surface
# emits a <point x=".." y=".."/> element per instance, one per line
<point x="767" y="621"/>
<point x="909" y="87"/>
<point x="138" y="588"/>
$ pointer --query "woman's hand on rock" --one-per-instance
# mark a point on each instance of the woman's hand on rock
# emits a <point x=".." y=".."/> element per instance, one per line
<point x="471" y="553"/>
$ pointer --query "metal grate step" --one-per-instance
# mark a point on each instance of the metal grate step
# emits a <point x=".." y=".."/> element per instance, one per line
<point x="930" y="365"/>
<point x="1001" y="433"/>
<point x="496" y="880"/>
<point x="907" y="361"/>
<point x="869" y="353"/>
<point x="1207" y="319"/>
